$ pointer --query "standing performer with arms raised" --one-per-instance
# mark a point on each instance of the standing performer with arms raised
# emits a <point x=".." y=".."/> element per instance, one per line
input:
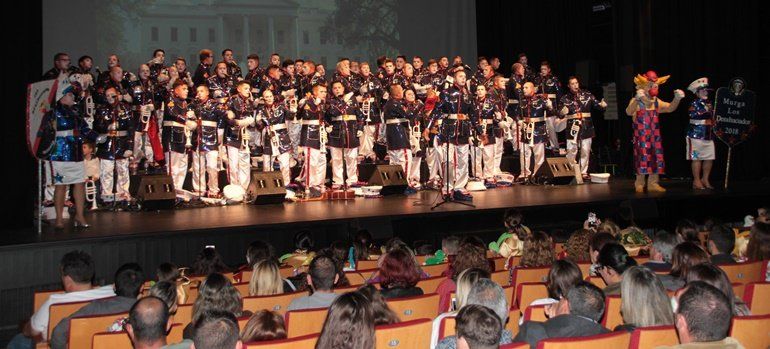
<point x="576" y="106"/>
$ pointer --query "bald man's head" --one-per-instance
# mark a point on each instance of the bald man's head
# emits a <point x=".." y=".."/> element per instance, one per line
<point x="148" y="321"/>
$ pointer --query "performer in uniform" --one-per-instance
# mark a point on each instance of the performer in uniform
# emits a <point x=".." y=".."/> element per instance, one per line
<point x="240" y="116"/>
<point x="115" y="126"/>
<point x="533" y="117"/>
<point x="397" y="129"/>
<point x="178" y="123"/>
<point x="203" y="72"/>
<point x="549" y="85"/>
<point x="147" y="143"/>
<point x="576" y="108"/>
<point x="345" y="127"/>
<point x="645" y="109"/>
<point x="455" y="110"/>
<point x="233" y="70"/>
<point x="255" y="74"/>
<point x="488" y="114"/>
<point x="503" y="130"/>
<point x="415" y="110"/>
<point x="221" y="85"/>
<point x="207" y="141"/>
<point x="273" y="116"/>
<point x="700" y="139"/>
<point x="372" y="92"/>
<point x="313" y="139"/>
<point x="514" y="92"/>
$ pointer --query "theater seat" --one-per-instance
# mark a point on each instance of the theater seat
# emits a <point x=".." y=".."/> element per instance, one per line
<point x="57" y="312"/>
<point x="517" y="345"/>
<point x="653" y="337"/>
<point x="304" y="342"/>
<point x="363" y="265"/>
<point x="417" y="307"/>
<point x="501" y="277"/>
<point x="83" y="328"/>
<point x="619" y="339"/>
<point x="447" y="324"/>
<point x="535" y="313"/>
<point x="757" y="297"/>
<point x="242" y="288"/>
<point x="597" y="281"/>
<point x="404" y="335"/>
<point x="277" y="303"/>
<point x="436" y="269"/>
<point x="529" y="274"/>
<point x="612" y="316"/>
<point x="430" y="284"/>
<point x="183" y="314"/>
<point x="527" y="292"/>
<point x="40" y="297"/>
<point x="752" y="331"/>
<point x="304" y="322"/>
<point x="745" y="272"/>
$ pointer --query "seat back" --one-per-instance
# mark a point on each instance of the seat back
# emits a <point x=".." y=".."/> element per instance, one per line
<point x="421" y="258"/>
<point x="502" y="277"/>
<point x="435" y="270"/>
<point x="57" y="312"/>
<point x="430" y="284"/>
<point x="597" y="281"/>
<point x="612" y="316"/>
<point x="304" y="342"/>
<point x="83" y="328"/>
<point x="40" y="297"/>
<point x="417" y="307"/>
<point x="535" y="313"/>
<point x="619" y="339"/>
<point x="653" y="337"/>
<point x="242" y="288"/>
<point x="515" y="345"/>
<point x="446" y="327"/>
<point x="514" y="315"/>
<point x="529" y="274"/>
<point x="527" y="292"/>
<point x="757" y="297"/>
<point x="346" y="289"/>
<point x="363" y="265"/>
<point x="183" y="314"/>
<point x="745" y="272"/>
<point x="751" y="331"/>
<point x="304" y="322"/>
<point x="408" y="334"/>
<point x="277" y="303"/>
<point x="499" y="263"/>
<point x="585" y="268"/>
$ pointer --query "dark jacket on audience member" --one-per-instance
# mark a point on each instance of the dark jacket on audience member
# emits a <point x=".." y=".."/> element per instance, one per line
<point x="658" y="266"/>
<point x="105" y="306"/>
<point x="567" y="325"/>
<point x="398" y="292"/>
<point x="722" y="258"/>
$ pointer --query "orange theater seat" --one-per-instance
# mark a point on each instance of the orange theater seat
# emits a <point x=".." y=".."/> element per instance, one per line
<point x="304" y="342"/>
<point x="277" y="303"/>
<point x="516" y="345"/>
<point x="527" y="292"/>
<point x="41" y="296"/>
<point x="435" y="270"/>
<point x="446" y="327"/>
<point x="242" y="288"/>
<point x="183" y="314"/>
<point x="745" y="272"/>
<point x="529" y="274"/>
<point x="303" y="322"/>
<point x="619" y="339"/>
<point x="535" y="313"/>
<point x="364" y="265"/>
<point x="404" y="335"/>
<point x="757" y="297"/>
<point x="612" y="316"/>
<point x="752" y="331"/>
<point x="84" y="327"/>
<point x="417" y="307"/>
<point x="501" y="277"/>
<point x="57" y="312"/>
<point x="597" y="281"/>
<point x="653" y="337"/>
<point x="430" y="285"/>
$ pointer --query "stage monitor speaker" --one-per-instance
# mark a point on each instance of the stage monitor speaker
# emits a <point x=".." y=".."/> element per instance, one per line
<point x="559" y="171"/>
<point x="154" y="191"/>
<point x="390" y="177"/>
<point x="266" y="187"/>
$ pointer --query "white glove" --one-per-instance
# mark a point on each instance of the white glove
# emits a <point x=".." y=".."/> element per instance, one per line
<point x="498" y="115"/>
<point x="385" y="95"/>
<point x="602" y="103"/>
<point x="191" y="125"/>
<point x="127" y="154"/>
<point x="364" y="88"/>
<point x="359" y="134"/>
<point x="348" y="96"/>
<point x="230" y="115"/>
<point x="247" y="121"/>
<point x="548" y="104"/>
<point x="101" y="139"/>
<point x="190" y="114"/>
<point x="127" y="98"/>
<point x="329" y="129"/>
<point x="564" y="111"/>
<point x="288" y="93"/>
<point x="450" y="80"/>
<point x="678" y="94"/>
<point x="317" y="101"/>
<point x="259" y="117"/>
<point x="640" y="94"/>
<point x="503" y="124"/>
<point x="112" y="126"/>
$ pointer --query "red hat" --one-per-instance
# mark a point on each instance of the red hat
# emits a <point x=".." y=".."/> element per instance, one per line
<point x="651" y="75"/>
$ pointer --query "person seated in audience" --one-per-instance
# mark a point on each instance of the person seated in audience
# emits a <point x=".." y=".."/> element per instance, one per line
<point x="576" y="315"/>
<point x="595" y="245"/>
<point x="478" y="327"/>
<point x="257" y="251"/>
<point x="563" y="275"/>
<point x="645" y="302"/>
<point x="77" y="273"/>
<point x="577" y="246"/>
<point x="208" y="261"/>
<point x="363" y="246"/>
<point x="538" y="252"/>
<point x="166" y="292"/>
<point x="487" y="293"/>
<point x="167" y="272"/>
<point x="216" y="329"/>
<point x="148" y="323"/>
<point x="688" y="231"/>
<point x="321" y="278"/>
<point x="128" y="284"/>
<point x="215" y="293"/>
<point x="337" y="251"/>
<point x="609" y="227"/>
<point x="612" y="263"/>
<point x="512" y="220"/>
<point x="450" y="245"/>
<point x="264" y="325"/>
<point x="399" y="275"/>
<point x="721" y="243"/>
<point x="383" y="315"/>
<point x="685" y="256"/>
<point x="465" y="282"/>
<point x="703" y="318"/>
<point x="349" y="323"/>
<point x="714" y="276"/>
<point x="763" y="214"/>
<point x="266" y="279"/>
<point x="663" y="244"/>
<point x="758" y="248"/>
<point x="469" y="255"/>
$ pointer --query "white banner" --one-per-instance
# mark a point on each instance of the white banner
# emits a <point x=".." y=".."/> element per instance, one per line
<point x="40" y="98"/>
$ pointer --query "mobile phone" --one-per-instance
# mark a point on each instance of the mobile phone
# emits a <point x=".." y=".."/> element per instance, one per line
<point x="211" y="246"/>
<point x="591" y="219"/>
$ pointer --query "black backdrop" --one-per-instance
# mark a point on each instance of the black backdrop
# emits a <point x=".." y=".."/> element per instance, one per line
<point x="687" y="39"/>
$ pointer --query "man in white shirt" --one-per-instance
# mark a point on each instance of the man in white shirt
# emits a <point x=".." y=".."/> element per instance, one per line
<point x="77" y="271"/>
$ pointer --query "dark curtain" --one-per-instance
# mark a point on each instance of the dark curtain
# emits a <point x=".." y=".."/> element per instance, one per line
<point x="686" y="39"/>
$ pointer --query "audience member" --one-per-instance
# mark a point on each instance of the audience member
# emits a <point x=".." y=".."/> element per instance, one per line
<point x="349" y="324"/>
<point x="577" y="246"/>
<point x="382" y="313"/>
<point x="465" y="282"/>
<point x="469" y="255"/>
<point x="489" y="294"/>
<point x="321" y="278"/>
<point x="266" y="279"/>
<point x="685" y="256"/>
<point x="264" y="325"/>
<point x="714" y="276"/>
<point x="721" y="243"/>
<point x="688" y="231"/>
<point x="399" y="275"/>
<point x="477" y="327"/>
<point x="208" y="261"/>
<point x="663" y="244"/>
<point x="612" y="263"/>
<point x="644" y="302"/>
<point x="216" y="329"/>
<point x="148" y="323"/>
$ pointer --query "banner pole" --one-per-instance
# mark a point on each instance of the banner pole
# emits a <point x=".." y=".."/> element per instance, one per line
<point x="727" y="171"/>
<point x="39" y="196"/>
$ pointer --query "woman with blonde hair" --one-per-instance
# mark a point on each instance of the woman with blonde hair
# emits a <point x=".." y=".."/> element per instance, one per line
<point x="265" y="279"/>
<point x="644" y="302"/>
<point x="465" y="281"/>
